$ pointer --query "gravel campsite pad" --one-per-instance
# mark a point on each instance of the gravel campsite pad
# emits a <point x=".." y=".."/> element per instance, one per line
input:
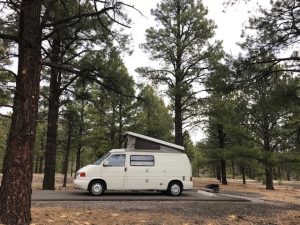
<point x="281" y="208"/>
<point x="168" y="213"/>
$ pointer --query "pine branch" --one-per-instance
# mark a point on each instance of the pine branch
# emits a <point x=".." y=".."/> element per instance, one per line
<point x="9" y="37"/>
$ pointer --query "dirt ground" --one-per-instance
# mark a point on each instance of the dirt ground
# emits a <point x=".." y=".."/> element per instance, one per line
<point x="285" y="191"/>
<point x="179" y="213"/>
<point x="64" y="216"/>
<point x="155" y="213"/>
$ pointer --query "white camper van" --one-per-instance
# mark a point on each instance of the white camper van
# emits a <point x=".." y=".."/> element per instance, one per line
<point x="144" y="163"/>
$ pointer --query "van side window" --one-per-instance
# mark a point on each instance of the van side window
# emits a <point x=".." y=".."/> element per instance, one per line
<point x="141" y="160"/>
<point x="117" y="160"/>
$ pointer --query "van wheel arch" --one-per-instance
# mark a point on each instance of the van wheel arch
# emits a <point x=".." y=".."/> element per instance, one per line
<point x="94" y="181"/>
<point x="175" y="188"/>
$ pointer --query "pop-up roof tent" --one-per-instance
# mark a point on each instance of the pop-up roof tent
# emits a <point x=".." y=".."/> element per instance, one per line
<point x="138" y="142"/>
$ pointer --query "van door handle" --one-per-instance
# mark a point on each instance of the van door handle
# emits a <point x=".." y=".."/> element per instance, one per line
<point x="125" y="169"/>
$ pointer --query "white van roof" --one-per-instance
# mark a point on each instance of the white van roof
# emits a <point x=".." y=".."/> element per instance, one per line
<point x="155" y="140"/>
<point x="117" y="150"/>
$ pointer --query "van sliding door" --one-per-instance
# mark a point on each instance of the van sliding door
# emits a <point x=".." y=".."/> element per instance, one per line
<point x="138" y="172"/>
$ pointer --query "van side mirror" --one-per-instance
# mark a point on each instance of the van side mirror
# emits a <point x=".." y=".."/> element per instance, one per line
<point x="105" y="163"/>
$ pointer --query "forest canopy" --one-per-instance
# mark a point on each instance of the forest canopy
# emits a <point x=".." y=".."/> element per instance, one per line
<point x="72" y="97"/>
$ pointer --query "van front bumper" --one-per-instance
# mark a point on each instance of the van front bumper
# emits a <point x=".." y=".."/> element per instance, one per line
<point x="81" y="184"/>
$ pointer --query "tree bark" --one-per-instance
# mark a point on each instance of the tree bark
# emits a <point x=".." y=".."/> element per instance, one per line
<point x="287" y="171"/>
<point x="78" y="156"/>
<point x="267" y="148"/>
<point x="221" y="137"/>
<point x="269" y="178"/>
<point x="178" y="77"/>
<point x="15" y="192"/>
<point x="42" y="155"/>
<point x="243" y="174"/>
<point x="51" y="145"/>
<point x="66" y="160"/>
<point x="223" y="171"/>
<point x="178" y="121"/>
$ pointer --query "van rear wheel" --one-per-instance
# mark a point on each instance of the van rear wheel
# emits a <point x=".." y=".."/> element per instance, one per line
<point x="175" y="188"/>
<point x="97" y="188"/>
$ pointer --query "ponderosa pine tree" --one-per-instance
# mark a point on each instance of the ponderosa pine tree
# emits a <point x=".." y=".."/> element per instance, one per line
<point x="269" y="107"/>
<point x="182" y="44"/>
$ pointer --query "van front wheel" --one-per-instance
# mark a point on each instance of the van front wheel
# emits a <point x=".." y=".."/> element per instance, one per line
<point x="175" y="189"/>
<point x="97" y="188"/>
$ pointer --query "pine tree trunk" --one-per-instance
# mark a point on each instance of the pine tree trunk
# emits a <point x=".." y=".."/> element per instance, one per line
<point x="223" y="171"/>
<point x="51" y="145"/>
<point x="269" y="178"/>
<point x="41" y="165"/>
<point x="178" y="122"/>
<point x="267" y="149"/>
<point x="78" y="156"/>
<point x="288" y="178"/>
<point x="243" y="174"/>
<point x="178" y="82"/>
<point x="15" y="192"/>
<point x="67" y="153"/>
<point x="221" y="137"/>
<point x="41" y="160"/>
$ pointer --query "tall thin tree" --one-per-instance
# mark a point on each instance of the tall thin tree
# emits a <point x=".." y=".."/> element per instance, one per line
<point x="182" y="43"/>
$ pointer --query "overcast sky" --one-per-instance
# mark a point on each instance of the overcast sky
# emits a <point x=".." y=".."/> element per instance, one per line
<point x="229" y="27"/>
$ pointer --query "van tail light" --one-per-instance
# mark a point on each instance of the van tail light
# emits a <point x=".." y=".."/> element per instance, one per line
<point x="81" y="174"/>
<point x="191" y="178"/>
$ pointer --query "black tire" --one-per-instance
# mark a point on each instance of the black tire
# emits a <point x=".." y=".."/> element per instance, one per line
<point x="97" y="188"/>
<point x="175" y="188"/>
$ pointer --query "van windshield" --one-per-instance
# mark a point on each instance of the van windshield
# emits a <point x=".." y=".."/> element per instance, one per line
<point x="99" y="161"/>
